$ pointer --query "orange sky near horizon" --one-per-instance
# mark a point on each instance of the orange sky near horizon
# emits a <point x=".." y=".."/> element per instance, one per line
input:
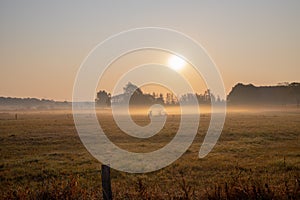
<point x="124" y="64"/>
<point x="44" y="43"/>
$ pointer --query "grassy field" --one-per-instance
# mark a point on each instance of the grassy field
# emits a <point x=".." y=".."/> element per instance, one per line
<point x="256" y="157"/>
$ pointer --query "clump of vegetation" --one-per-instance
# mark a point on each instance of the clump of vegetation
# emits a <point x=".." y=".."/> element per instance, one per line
<point x="140" y="188"/>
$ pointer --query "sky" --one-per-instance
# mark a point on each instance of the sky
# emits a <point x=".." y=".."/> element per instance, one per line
<point x="43" y="43"/>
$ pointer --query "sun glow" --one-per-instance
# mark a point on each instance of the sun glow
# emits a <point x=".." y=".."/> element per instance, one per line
<point x="176" y="63"/>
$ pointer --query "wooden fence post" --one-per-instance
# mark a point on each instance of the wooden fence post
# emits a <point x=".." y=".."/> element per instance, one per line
<point x="106" y="184"/>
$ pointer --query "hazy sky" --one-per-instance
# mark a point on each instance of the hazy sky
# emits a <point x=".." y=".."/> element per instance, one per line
<point x="42" y="43"/>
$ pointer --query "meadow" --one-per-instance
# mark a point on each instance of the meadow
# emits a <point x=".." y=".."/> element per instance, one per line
<point x="256" y="157"/>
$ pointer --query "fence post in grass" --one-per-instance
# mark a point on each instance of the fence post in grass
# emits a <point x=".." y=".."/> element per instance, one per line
<point x="106" y="184"/>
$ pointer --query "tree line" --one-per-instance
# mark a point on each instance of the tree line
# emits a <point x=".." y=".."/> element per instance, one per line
<point x="281" y="94"/>
<point x="136" y="96"/>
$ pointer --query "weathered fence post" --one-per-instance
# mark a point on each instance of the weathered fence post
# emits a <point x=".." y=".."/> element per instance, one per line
<point x="106" y="184"/>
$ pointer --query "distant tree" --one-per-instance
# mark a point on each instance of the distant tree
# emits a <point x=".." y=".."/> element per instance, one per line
<point x="168" y="98"/>
<point x="212" y="98"/>
<point x="281" y="94"/>
<point x="160" y="99"/>
<point x="295" y="92"/>
<point x="283" y="84"/>
<point x="200" y="98"/>
<point x="174" y="99"/>
<point x="130" y="89"/>
<point x="136" y="96"/>
<point x="207" y="96"/>
<point x="154" y="95"/>
<point x="103" y="98"/>
<point x="218" y="99"/>
<point x="187" y="98"/>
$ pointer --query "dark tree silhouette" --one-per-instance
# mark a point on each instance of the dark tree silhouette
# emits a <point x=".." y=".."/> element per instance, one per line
<point x="103" y="98"/>
<point x="282" y="94"/>
<point x="295" y="92"/>
<point x="160" y="99"/>
<point x="135" y="96"/>
<point x="130" y="89"/>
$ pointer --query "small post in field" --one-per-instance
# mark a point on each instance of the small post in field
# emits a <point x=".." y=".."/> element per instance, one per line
<point x="106" y="184"/>
<point x="16" y="116"/>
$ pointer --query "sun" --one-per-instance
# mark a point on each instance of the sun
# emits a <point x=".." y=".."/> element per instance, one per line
<point x="176" y="63"/>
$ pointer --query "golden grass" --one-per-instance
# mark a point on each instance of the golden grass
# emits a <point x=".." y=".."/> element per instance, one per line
<point x="256" y="157"/>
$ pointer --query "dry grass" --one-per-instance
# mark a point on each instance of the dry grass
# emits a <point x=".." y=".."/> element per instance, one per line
<point x="257" y="157"/>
